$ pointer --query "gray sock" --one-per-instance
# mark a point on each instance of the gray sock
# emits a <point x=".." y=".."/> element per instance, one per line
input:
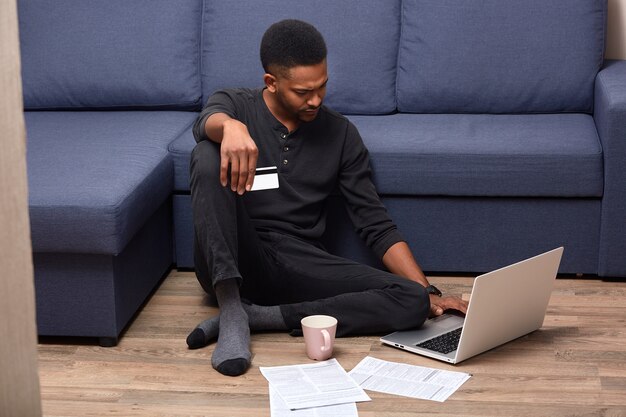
<point x="232" y="353"/>
<point x="265" y="317"/>
<point x="260" y="318"/>
<point x="204" y="333"/>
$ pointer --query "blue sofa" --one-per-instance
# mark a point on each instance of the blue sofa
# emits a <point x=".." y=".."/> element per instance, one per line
<point x="496" y="131"/>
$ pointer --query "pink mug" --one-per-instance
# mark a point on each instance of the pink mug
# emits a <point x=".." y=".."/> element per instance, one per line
<point x="319" y="336"/>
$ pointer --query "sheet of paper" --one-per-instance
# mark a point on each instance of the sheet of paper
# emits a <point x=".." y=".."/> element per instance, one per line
<point x="407" y="380"/>
<point x="314" y="385"/>
<point x="278" y="408"/>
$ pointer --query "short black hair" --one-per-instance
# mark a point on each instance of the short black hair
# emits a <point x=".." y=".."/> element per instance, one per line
<point x="290" y="43"/>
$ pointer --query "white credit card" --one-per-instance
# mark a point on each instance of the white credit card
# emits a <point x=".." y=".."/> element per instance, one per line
<point x="265" y="179"/>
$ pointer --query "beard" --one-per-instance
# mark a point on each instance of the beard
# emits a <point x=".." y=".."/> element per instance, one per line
<point x="302" y="114"/>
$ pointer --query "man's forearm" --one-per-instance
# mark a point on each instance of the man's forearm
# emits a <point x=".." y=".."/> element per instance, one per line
<point x="214" y="126"/>
<point x="400" y="261"/>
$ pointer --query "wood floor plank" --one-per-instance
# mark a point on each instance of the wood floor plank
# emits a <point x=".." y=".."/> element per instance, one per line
<point x="574" y="366"/>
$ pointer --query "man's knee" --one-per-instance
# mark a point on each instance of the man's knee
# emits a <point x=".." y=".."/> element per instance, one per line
<point x="205" y="163"/>
<point x="414" y="306"/>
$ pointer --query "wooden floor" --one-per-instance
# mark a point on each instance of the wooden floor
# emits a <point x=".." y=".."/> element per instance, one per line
<point x="574" y="366"/>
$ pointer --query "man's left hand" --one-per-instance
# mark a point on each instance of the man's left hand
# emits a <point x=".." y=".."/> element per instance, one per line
<point x="438" y="305"/>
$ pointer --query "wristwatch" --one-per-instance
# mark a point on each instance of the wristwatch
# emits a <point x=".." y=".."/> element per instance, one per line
<point x="431" y="289"/>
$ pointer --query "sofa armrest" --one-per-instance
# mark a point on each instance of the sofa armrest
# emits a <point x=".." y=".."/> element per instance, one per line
<point x="610" y="119"/>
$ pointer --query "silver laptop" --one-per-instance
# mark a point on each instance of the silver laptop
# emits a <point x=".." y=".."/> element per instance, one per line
<point x="504" y="304"/>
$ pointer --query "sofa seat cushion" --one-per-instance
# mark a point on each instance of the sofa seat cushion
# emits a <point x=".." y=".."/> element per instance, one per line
<point x="549" y="155"/>
<point x="180" y="149"/>
<point x="96" y="177"/>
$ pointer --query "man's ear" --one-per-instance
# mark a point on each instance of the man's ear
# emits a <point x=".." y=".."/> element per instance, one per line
<point x="270" y="82"/>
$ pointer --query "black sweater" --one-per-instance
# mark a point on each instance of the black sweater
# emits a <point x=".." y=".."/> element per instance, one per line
<point x="317" y="159"/>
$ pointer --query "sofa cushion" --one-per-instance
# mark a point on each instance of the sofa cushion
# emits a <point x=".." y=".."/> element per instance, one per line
<point x="484" y="155"/>
<point x="469" y="155"/>
<point x="117" y="53"/>
<point x="499" y="56"/>
<point x="362" y="40"/>
<point x="96" y="177"/>
<point x="180" y="150"/>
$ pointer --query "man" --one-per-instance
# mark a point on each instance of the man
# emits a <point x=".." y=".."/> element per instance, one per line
<point x="263" y="246"/>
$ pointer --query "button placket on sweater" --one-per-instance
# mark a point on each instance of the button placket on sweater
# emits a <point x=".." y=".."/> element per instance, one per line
<point x="285" y="151"/>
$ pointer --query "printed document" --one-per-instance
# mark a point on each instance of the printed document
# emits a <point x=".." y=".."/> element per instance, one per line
<point x="278" y="408"/>
<point x="407" y="380"/>
<point x="313" y="385"/>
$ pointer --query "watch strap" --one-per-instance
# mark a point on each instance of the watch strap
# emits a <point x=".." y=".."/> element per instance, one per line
<point x="431" y="289"/>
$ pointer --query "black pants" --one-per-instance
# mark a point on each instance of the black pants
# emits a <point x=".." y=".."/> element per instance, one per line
<point x="279" y="269"/>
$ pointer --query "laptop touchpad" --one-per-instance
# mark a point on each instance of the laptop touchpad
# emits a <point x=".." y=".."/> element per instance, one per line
<point x="443" y="323"/>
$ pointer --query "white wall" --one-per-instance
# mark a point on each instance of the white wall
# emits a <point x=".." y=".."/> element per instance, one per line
<point x="19" y="381"/>
<point x="616" y="30"/>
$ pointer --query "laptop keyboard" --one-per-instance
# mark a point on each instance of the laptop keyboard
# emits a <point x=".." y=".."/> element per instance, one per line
<point x="444" y="343"/>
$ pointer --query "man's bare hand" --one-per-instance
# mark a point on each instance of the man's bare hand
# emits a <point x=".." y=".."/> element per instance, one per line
<point x="239" y="153"/>
<point x="438" y="305"/>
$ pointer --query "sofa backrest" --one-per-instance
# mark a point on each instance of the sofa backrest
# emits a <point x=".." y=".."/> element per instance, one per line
<point x="499" y="56"/>
<point x="362" y="38"/>
<point x="418" y="56"/>
<point x="110" y="54"/>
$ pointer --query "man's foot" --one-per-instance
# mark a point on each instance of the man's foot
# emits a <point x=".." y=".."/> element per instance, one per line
<point x="232" y="353"/>
<point x="204" y="333"/>
<point x="264" y="317"/>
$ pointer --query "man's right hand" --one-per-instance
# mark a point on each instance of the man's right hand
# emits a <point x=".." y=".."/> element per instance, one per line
<point x="239" y="154"/>
<point x="438" y="305"/>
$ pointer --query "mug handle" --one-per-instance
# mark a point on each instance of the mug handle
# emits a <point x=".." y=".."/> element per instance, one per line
<point x="326" y="337"/>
